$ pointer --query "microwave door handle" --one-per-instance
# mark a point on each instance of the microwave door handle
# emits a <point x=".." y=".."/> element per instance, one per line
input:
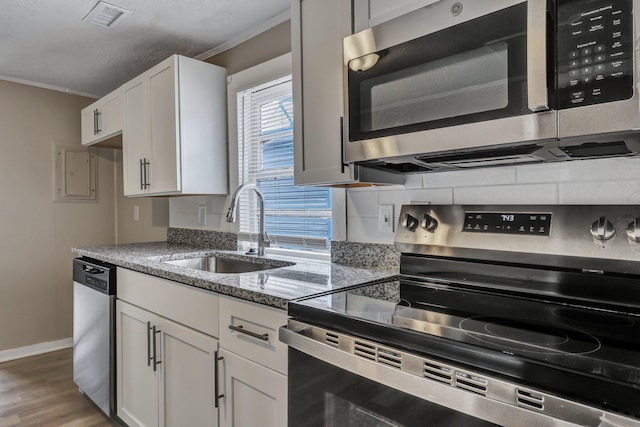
<point x="537" y="90"/>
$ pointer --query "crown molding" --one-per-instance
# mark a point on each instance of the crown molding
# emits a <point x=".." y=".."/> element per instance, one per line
<point x="47" y="86"/>
<point x="267" y="25"/>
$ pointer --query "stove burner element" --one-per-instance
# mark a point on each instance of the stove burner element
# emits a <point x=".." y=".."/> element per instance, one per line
<point x="523" y="335"/>
<point x="593" y="317"/>
<point x="521" y="332"/>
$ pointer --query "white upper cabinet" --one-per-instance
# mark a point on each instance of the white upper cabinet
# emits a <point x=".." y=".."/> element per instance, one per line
<point x="317" y="29"/>
<point x="367" y="13"/>
<point x="102" y="119"/>
<point x="174" y="135"/>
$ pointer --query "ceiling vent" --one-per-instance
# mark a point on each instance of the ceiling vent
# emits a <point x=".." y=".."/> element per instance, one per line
<point x="105" y="14"/>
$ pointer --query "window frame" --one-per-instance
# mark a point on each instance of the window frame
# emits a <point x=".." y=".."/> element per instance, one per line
<point x="260" y="74"/>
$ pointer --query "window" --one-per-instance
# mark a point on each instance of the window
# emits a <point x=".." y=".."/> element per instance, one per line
<point x="295" y="217"/>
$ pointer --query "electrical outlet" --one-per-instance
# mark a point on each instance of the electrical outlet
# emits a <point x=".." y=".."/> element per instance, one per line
<point x="136" y="212"/>
<point x="202" y="215"/>
<point x="385" y="219"/>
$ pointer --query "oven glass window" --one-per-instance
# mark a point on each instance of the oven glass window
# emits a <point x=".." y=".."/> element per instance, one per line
<point x="322" y="395"/>
<point x="472" y="72"/>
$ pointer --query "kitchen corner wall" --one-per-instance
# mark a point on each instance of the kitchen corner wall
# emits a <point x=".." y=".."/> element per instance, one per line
<point x="36" y="234"/>
<point x="589" y="182"/>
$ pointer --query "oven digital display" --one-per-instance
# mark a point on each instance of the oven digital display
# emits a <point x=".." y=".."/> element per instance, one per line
<point x="535" y="224"/>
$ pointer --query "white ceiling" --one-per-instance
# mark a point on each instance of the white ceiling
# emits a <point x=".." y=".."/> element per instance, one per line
<point x="45" y="42"/>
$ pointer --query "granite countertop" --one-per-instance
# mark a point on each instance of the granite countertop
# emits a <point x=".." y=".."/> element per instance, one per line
<point x="273" y="287"/>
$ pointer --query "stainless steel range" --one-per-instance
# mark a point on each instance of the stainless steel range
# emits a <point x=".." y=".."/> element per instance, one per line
<point x="502" y="315"/>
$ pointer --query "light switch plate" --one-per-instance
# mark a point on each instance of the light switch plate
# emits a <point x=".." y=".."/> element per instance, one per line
<point x="385" y="219"/>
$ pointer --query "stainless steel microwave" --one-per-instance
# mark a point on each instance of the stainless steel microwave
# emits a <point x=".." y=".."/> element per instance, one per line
<point x="460" y="84"/>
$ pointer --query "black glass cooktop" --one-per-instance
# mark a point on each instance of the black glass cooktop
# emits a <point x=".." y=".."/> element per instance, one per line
<point x="585" y="354"/>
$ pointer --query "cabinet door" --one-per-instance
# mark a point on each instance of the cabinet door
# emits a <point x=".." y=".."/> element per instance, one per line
<point x="112" y="114"/>
<point x="88" y="127"/>
<point x="164" y="167"/>
<point x="253" y="395"/>
<point x="137" y="382"/>
<point x="136" y="142"/>
<point x="318" y="27"/>
<point x="187" y="385"/>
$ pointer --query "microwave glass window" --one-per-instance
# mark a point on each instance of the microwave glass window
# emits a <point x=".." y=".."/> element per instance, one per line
<point x="474" y="71"/>
<point x="470" y="82"/>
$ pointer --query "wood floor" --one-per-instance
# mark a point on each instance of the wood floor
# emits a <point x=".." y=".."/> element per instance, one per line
<point x="39" y="391"/>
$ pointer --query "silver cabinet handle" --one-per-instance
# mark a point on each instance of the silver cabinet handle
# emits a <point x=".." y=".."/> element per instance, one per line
<point x="98" y="122"/>
<point x="240" y="329"/>
<point x="216" y="389"/>
<point x="537" y="55"/>
<point x="95" y="121"/>
<point x="342" y="145"/>
<point x="145" y="168"/>
<point x="156" y="362"/>
<point x="149" y="357"/>
<point x="141" y="176"/>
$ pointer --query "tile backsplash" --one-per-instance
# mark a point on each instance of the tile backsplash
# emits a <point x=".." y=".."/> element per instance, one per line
<point x="604" y="181"/>
<point x="590" y="182"/>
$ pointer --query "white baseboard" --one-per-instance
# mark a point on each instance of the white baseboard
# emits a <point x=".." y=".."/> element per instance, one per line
<point x="32" y="350"/>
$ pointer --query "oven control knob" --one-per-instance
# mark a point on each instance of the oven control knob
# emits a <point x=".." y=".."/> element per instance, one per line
<point x="409" y="222"/>
<point x="602" y="229"/>
<point x="429" y="223"/>
<point x="633" y="230"/>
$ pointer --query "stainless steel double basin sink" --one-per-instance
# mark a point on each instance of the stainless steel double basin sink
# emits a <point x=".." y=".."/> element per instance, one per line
<point x="227" y="265"/>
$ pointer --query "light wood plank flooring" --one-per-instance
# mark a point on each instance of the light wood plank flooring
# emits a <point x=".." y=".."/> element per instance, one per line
<point x="39" y="391"/>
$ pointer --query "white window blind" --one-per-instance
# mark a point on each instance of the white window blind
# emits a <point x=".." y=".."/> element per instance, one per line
<point x="295" y="217"/>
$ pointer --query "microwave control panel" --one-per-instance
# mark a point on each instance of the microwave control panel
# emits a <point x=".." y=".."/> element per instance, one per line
<point x="595" y="51"/>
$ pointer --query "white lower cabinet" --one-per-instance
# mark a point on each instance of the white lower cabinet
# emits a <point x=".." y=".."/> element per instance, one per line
<point x="253" y="395"/>
<point x="165" y="352"/>
<point x="169" y="359"/>
<point x="166" y="371"/>
<point x="253" y="364"/>
<point x="137" y="382"/>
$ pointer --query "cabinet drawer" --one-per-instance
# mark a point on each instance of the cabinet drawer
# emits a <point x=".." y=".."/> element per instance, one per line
<point x="190" y="306"/>
<point x="251" y="331"/>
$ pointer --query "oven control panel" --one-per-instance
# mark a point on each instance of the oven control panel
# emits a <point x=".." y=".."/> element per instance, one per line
<point x="534" y="224"/>
<point x="572" y="235"/>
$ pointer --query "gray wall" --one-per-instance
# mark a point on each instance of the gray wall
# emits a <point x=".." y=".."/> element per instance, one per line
<point x="36" y="233"/>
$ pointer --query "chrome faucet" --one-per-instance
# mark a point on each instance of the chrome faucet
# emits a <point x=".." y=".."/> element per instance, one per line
<point x="263" y="239"/>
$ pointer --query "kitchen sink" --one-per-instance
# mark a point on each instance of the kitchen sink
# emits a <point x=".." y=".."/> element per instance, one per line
<point x="225" y="265"/>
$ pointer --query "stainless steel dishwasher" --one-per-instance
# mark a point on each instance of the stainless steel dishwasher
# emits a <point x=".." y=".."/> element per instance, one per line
<point x="94" y="291"/>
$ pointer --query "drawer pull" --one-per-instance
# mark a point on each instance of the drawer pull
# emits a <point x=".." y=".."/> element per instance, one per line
<point x="240" y="329"/>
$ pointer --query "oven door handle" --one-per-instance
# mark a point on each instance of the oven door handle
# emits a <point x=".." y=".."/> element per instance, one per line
<point x="537" y="88"/>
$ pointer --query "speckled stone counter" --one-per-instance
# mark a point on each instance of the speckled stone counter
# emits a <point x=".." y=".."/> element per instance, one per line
<point x="273" y="287"/>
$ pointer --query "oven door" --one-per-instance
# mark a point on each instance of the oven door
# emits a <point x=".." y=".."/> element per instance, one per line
<point x="328" y="386"/>
<point x="323" y="395"/>
<point x="450" y="76"/>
